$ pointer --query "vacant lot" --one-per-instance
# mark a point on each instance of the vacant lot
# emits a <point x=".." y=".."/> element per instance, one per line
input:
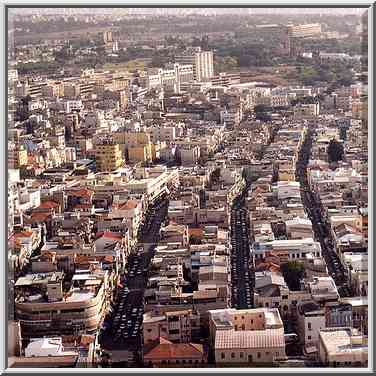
<point x="279" y="75"/>
<point x="129" y="65"/>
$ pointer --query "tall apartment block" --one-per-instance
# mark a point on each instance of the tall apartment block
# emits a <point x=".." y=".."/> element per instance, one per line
<point x="202" y="62"/>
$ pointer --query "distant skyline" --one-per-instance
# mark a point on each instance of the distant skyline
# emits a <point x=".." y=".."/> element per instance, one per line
<point x="193" y="10"/>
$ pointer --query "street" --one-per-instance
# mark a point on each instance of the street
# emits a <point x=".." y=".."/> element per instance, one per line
<point x="320" y="227"/>
<point x="242" y="275"/>
<point x="122" y="328"/>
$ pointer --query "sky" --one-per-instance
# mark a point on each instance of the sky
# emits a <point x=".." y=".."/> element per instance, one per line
<point x="177" y="11"/>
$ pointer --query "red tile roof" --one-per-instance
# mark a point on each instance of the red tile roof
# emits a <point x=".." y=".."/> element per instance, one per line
<point x="196" y="232"/>
<point x="40" y="217"/>
<point x="164" y="349"/>
<point x="81" y="193"/>
<point x="267" y="266"/>
<point x="109" y="235"/>
<point x="23" y="234"/>
<point x="14" y="243"/>
<point x="130" y="204"/>
<point x="48" y="205"/>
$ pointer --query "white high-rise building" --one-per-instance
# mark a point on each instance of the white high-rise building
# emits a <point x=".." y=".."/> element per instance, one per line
<point x="202" y="62"/>
<point x="171" y="77"/>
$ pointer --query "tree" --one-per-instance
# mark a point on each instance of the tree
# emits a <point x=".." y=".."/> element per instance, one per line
<point x="193" y="239"/>
<point x="158" y="61"/>
<point x="225" y="64"/>
<point x="335" y="151"/>
<point x="216" y="175"/>
<point x="293" y="272"/>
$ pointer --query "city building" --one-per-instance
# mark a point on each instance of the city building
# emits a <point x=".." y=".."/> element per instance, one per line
<point x="45" y="308"/>
<point x="247" y="336"/>
<point x="202" y="62"/>
<point x="164" y="353"/>
<point x="339" y="347"/>
<point x="304" y="30"/>
<point x="108" y="157"/>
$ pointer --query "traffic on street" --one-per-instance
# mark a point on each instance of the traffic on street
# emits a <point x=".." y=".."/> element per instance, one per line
<point x="122" y="328"/>
<point x="320" y="226"/>
<point x="242" y="275"/>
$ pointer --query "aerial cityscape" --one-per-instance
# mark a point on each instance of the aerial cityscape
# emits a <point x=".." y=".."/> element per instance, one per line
<point x="187" y="187"/>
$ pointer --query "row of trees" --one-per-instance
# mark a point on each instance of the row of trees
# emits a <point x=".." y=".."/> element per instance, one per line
<point x="337" y="74"/>
<point x="247" y="54"/>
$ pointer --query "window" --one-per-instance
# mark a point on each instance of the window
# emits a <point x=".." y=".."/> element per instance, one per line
<point x="309" y="337"/>
<point x="251" y="321"/>
<point x="241" y="355"/>
<point x="285" y="297"/>
<point x="232" y="355"/>
<point x="236" y="327"/>
<point x="150" y="330"/>
<point x="223" y="355"/>
<point x="258" y="355"/>
<point x="309" y="326"/>
<point x="243" y="327"/>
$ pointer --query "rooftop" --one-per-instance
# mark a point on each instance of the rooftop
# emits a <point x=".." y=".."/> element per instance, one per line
<point x="341" y="342"/>
<point x="164" y="349"/>
<point x="249" y="339"/>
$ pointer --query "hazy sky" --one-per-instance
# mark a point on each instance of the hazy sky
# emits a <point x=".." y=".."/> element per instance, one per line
<point x="177" y="11"/>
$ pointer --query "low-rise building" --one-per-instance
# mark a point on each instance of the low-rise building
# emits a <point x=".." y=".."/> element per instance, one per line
<point x="165" y="353"/>
<point x="247" y="336"/>
<point x="310" y="320"/>
<point x="175" y="326"/>
<point x="340" y="347"/>
<point x="44" y="307"/>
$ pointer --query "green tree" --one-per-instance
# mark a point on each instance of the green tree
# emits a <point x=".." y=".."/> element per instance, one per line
<point x="216" y="174"/>
<point x="307" y="75"/>
<point x="158" y="61"/>
<point x="193" y="239"/>
<point x="335" y="151"/>
<point x="225" y="64"/>
<point x="293" y="272"/>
